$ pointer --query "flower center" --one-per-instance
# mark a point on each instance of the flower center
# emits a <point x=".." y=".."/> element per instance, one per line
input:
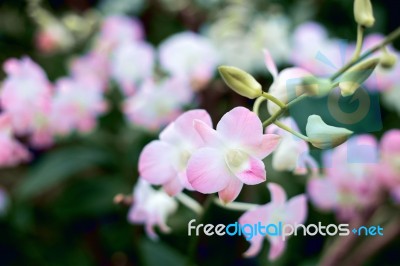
<point x="235" y="159"/>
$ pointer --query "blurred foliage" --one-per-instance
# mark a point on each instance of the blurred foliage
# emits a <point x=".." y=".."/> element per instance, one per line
<point x="62" y="211"/>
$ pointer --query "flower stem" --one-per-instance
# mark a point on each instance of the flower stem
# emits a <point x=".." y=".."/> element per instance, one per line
<point x="360" y="40"/>
<point x="274" y="117"/>
<point x="288" y="129"/>
<point x="273" y="99"/>
<point x="189" y="202"/>
<point x="235" y="206"/>
<point x="257" y="103"/>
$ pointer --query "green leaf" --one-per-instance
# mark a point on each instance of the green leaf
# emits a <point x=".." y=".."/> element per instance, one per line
<point x="157" y="253"/>
<point x="57" y="166"/>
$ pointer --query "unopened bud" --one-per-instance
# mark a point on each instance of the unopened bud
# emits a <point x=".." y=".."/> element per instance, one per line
<point x="241" y="82"/>
<point x="355" y="76"/>
<point x="363" y="13"/>
<point x="387" y="60"/>
<point x="316" y="86"/>
<point x="324" y="136"/>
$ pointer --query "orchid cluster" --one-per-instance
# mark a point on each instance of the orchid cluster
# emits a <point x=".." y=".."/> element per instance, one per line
<point x="36" y="109"/>
<point x="191" y="154"/>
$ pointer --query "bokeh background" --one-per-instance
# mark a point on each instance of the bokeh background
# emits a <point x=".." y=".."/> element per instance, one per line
<point x="58" y="209"/>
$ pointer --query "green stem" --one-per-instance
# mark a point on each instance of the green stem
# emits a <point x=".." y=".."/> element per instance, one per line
<point x="257" y="103"/>
<point x="360" y="40"/>
<point x="190" y="203"/>
<point x="390" y="38"/>
<point x="288" y="129"/>
<point x="235" y="206"/>
<point x="274" y="117"/>
<point x="273" y="99"/>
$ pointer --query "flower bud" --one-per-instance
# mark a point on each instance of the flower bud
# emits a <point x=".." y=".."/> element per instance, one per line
<point x="355" y="76"/>
<point x="388" y="60"/>
<point x="240" y="81"/>
<point x="316" y="86"/>
<point x="363" y="13"/>
<point x="324" y="136"/>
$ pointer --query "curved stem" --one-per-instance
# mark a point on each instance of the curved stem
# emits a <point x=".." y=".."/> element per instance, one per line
<point x="257" y="103"/>
<point x="288" y="129"/>
<point x="273" y="99"/>
<point x="235" y="206"/>
<point x="360" y="40"/>
<point x="189" y="202"/>
<point x="274" y="117"/>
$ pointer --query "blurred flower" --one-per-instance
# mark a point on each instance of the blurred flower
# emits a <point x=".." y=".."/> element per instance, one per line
<point x="232" y="154"/>
<point x="12" y="152"/>
<point x="165" y="161"/>
<point x="76" y="105"/>
<point x="92" y="65"/>
<point x="391" y="98"/>
<point x="189" y="55"/>
<point x="3" y="201"/>
<point x="157" y="103"/>
<point x="324" y="136"/>
<point x="278" y="210"/>
<point x="117" y="30"/>
<point x="287" y="85"/>
<point x="241" y="34"/>
<point x="131" y="63"/>
<point x="350" y="182"/>
<point x="389" y="169"/>
<point x="292" y="153"/>
<point x="151" y="207"/>
<point x="26" y="97"/>
<point x="53" y="37"/>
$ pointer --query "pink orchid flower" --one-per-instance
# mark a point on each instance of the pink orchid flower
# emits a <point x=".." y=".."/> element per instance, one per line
<point x="278" y="210"/>
<point x="232" y="154"/>
<point x="350" y="182"/>
<point x="157" y="103"/>
<point x="164" y="161"/>
<point x="76" y="105"/>
<point x="389" y="169"/>
<point x="12" y="152"/>
<point x="292" y="153"/>
<point x="151" y="207"/>
<point x="25" y="95"/>
<point x="287" y="84"/>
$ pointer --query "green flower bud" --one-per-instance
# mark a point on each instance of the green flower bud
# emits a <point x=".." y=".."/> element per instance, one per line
<point x="316" y="86"/>
<point x="356" y="75"/>
<point x="324" y="136"/>
<point x="241" y="82"/>
<point x="363" y="13"/>
<point x="387" y="60"/>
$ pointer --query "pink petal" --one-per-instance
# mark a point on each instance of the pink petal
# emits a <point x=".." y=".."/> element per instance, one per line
<point x="208" y="135"/>
<point x="155" y="163"/>
<point x="207" y="171"/>
<point x="241" y="126"/>
<point x="278" y="195"/>
<point x="270" y="64"/>
<point x="297" y="209"/>
<point x="323" y="193"/>
<point x="268" y="145"/>
<point x="231" y="192"/>
<point x="173" y="186"/>
<point x="255" y="246"/>
<point x="254" y="173"/>
<point x="276" y="249"/>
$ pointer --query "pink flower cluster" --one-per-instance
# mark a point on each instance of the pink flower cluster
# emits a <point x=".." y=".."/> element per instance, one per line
<point x="191" y="154"/>
<point x="357" y="173"/>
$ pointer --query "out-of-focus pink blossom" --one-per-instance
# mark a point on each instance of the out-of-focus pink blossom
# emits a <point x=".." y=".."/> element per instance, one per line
<point x="76" y="105"/>
<point x="156" y="104"/>
<point x="52" y="38"/>
<point x="278" y="210"/>
<point x="131" y="63"/>
<point x="93" y="65"/>
<point x="292" y="153"/>
<point x="189" y="55"/>
<point x="151" y="207"/>
<point x="12" y="152"/>
<point x="287" y="84"/>
<point x="232" y="154"/>
<point x="350" y="182"/>
<point x="164" y="161"/>
<point x="389" y="169"/>
<point x="117" y="30"/>
<point x="26" y="96"/>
